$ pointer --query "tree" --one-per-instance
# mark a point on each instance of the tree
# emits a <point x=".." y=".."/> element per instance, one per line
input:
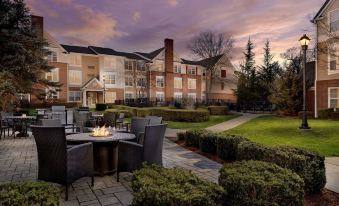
<point x="209" y="45"/>
<point x="268" y="72"/>
<point x="286" y="91"/>
<point x="22" y="59"/>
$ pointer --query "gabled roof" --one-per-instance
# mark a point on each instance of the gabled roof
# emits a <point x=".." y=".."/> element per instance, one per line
<point x="210" y="61"/>
<point x="109" y="51"/>
<point x="93" y="84"/>
<point x="321" y="10"/>
<point x="152" y="54"/>
<point x="190" y="62"/>
<point x="77" y="49"/>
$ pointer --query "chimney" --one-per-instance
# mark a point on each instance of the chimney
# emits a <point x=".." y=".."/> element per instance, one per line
<point x="38" y="25"/>
<point x="169" y="55"/>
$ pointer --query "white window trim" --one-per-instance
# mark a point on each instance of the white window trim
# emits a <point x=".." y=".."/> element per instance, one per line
<point x="126" y="81"/>
<point x="177" y="94"/>
<point x="329" y="97"/>
<point x="56" y="54"/>
<point x="57" y="94"/>
<point x="160" y="93"/>
<point x="75" y="84"/>
<point x="110" y="73"/>
<point x="329" y="21"/>
<point x="69" y="95"/>
<point x="190" y="79"/>
<point x="178" y="79"/>
<point x="156" y="81"/>
<point x="329" y="71"/>
<point x="56" y="69"/>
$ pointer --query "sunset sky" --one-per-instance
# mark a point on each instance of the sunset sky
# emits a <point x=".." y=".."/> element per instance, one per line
<point x="141" y="25"/>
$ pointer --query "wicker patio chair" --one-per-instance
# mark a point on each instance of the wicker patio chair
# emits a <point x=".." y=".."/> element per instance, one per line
<point x="110" y="118"/>
<point x="58" y="164"/>
<point x="132" y="155"/>
<point x="154" y="120"/>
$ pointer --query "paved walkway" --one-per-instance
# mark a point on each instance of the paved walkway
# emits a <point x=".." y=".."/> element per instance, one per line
<point x="230" y="124"/>
<point x="332" y="173"/>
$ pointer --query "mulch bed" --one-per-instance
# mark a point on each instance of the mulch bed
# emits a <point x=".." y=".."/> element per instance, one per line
<point x="324" y="198"/>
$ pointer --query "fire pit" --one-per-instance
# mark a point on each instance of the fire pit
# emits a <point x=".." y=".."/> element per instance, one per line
<point x="101" y="132"/>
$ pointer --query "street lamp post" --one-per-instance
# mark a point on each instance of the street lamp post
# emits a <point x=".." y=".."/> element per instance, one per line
<point x="304" y="41"/>
<point x="104" y="95"/>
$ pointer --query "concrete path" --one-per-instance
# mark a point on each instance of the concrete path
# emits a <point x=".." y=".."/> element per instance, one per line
<point x="230" y="124"/>
<point x="332" y="173"/>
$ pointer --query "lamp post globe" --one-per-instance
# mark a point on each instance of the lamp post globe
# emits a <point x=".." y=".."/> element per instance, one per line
<point x="304" y="42"/>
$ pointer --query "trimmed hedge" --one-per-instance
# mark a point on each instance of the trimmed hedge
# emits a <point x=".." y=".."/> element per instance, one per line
<point x="326" y="113"/>
<point x="308" y="165"/>
<point x="100" y="107"/>
<point x="208" y="142"/>
<point x="192" y="138"/>
<point x="29" y="193"/>
<point x="155" y="185"/>
<point x="260" y="183"/>
<point x="218" y="110"/>
<point x="127" y="113"/>
<point x="227" y="146"/>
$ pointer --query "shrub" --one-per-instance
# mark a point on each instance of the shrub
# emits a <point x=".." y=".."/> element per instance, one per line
<point x="29" y="193"/>
<point x="260" y="183"/>
<point x="161" y="186"/>
<point x="208" y="142"/>
<point x="308" y="165"/>
<point x="227" y="146"/>
<point x="183" y="115"/>
<point x="100" y="107"/>
<point x="193" y="137"/>
<point x="326" y="113"/>
<point x="309" y="114"/>
<point x="181" y="135"/>
<point x="218" y="110"/>
<point x="335" y="115"/>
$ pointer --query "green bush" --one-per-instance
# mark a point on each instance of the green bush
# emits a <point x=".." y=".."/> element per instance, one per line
<point x="193" y="137"/>
<point x="308" y="165"/>
<point x="181" y="135"/>
<point x="161" y="186"/>
<point x="326" y="113"/>
<point x="218" y="110"/>
<point x="260" y="183"/>
<point x="29" y="193"/>
<point x="208" y="142"/>
<point x="100" y="107"/>
<point x="227" y="146"/>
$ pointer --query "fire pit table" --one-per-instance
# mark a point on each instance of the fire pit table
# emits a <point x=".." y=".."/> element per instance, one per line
<point x="104" y="149"/>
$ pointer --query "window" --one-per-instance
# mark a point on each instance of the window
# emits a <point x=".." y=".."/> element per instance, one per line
<point x="192" y="96"/>
<point x="129" y="65"/>
<point x="191" y="70"/>
<point x="128" y="95"/>
<point x="53" y="75"/>
<point x="74" y="96"/>
<point x="333" y="98"/>
<point x="177" y="83"/>
<point x="222" y="86"/>
<point x="110" y="97"/>
<point x="109" y="78"/>
<point x="192" y="83"/>
<point x="52" y="56"/>
<point x="141" y="66"/>
<point x="160" y="96"/>
<point x="75" y="60"/>
<point x="177" y="68"/>
<point x="333" y="59"/>
<point x="223" y="73"/>
<point x="160" y="81"/>
<point x="141" y="82"/>
<point x="129" y="81"/>
<point x="334" y="21"/>
<point x="52" y="93"/>
<point x="75" y="77"/>
<point x="91" y="67"/>
<point x="177" y="95"/>
<point x="109" y="62"/>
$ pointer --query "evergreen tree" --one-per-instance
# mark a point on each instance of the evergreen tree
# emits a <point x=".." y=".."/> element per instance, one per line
<point x="22" y="60"/>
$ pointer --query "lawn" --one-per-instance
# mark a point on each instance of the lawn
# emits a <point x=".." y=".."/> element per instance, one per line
<point x="214" y="119"/>
<point x="272" y="130"/>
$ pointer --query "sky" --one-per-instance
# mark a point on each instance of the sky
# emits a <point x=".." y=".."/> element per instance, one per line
<point x="142" y="25"/>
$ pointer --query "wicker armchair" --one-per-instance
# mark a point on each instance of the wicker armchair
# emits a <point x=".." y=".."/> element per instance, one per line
<point x="138" y="128"/>
<point x="58" y="164"/>
<point x="82" y="120"/>
<point x="51" y="122"/>
<point x="110" y="118"/>
<point x="154" y="120"/>
<point x="131" y="155"/>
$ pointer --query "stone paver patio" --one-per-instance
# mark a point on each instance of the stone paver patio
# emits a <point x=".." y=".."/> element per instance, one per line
<point x="18" y="162"/>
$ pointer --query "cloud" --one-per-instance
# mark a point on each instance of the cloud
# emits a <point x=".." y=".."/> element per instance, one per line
<point x="172" y="2"/>
<point x="136" y="16"/>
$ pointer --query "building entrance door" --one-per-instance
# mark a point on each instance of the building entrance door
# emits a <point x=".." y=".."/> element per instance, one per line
<point x="92" y="99"/>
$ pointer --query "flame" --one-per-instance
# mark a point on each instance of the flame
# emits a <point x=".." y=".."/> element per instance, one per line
<point x="101" y="132"/>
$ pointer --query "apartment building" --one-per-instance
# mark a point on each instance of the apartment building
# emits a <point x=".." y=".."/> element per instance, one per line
<point x="93" y="74"/>
<point x="327" y="68"/>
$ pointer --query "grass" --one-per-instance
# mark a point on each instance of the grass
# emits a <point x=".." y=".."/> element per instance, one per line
<point x="214" y="119"/>
<point x="272" y="130"/>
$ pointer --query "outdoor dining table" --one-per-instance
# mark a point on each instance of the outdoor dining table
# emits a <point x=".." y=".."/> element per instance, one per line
<point x="22" y="126"/>
<point x="104" y="149"/>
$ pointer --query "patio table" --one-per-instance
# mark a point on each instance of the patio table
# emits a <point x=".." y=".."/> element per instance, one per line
<point x="22" y="126"/>
<point x="104" y="149"/>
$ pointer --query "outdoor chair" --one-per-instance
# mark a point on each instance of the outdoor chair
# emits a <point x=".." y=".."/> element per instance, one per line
<point x="154" y="120"/>
<point x="110" y="118"/>
<point x="82" y="121"/>
<point x="3" y="128"/>
<point x="138" y="125"/>
<point x="132" y="155"/>
<point x="57" y="163"/>
<point x="120" y="120"/>
<point x="51" y="122"/>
